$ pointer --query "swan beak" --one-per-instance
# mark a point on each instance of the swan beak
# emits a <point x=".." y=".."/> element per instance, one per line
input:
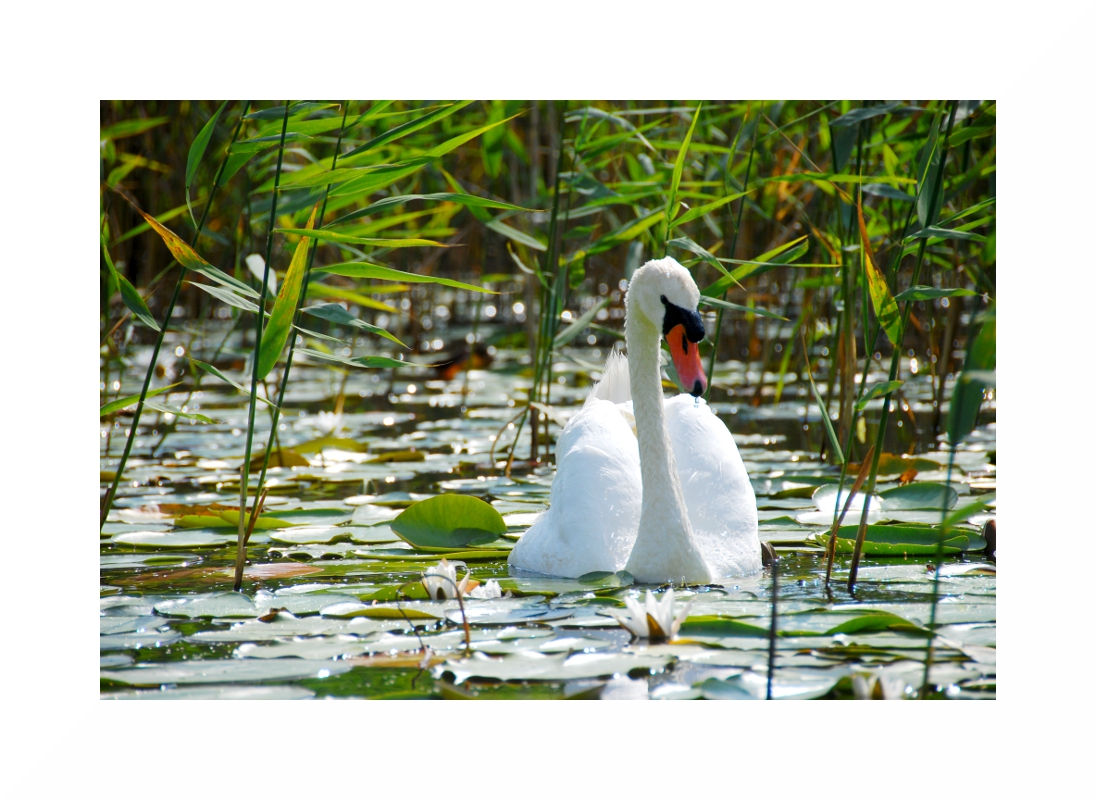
<point x="686" y="356"/>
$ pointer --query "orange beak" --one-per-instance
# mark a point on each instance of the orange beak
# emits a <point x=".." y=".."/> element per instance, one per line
<point x="686" y="356"/>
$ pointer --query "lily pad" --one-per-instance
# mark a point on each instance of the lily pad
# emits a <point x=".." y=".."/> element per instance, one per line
<point x="286" y="625"/>
<point x="919" y="496"/>
<point x="711" y="625"/>
<point x="449" y="521"/>
<point x="312" y="534"/>
<point x="530" y="666"/>
<point x="138" y="560"/>
<point x="214" y="693"/>
<point x="486" y="615"/>
<point x="218" y="604"/>
<point x="907" y="540"/>
<point x="224" y="671"/>
<point x="120" y="624"/>
<point x="174" y="539"/>
<point x="136" y="641"/>
<point x="754" y="685"/>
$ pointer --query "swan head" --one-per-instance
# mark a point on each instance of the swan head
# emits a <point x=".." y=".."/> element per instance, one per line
<point x="665" y="293"/>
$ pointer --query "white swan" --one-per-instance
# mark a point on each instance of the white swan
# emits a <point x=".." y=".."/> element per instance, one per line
<point x="653" y="486"/>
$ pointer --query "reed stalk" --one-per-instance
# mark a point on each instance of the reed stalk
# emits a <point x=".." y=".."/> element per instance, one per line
<point x="241" y="547"/>
<point x="108" y="501"/>
<point x="246" y="466"/>
<point x="896" y="356"/>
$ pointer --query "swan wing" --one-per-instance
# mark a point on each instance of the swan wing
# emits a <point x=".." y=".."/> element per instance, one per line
<point x="717" y="491"/>
<point x="595" y="502"/>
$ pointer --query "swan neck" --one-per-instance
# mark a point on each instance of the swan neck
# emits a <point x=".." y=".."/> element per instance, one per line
<point x="662" y="495"/>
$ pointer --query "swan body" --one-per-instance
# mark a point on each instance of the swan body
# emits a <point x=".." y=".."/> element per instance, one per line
<point x="650" y="485"/>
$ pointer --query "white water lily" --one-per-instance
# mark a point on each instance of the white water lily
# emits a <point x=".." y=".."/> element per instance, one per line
<point x="879" y="686"/>
<point x="488" y="591"/>
<point x="654" y="619"/>
<point x="328" y="422"/>
<point x="257" y="264"/>
<point x="441" y="583"/>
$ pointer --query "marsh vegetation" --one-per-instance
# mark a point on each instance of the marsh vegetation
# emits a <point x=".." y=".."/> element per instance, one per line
<point x="441" y="283"/>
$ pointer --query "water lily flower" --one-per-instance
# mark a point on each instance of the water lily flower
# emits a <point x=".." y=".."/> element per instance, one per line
<point x="879" y="686"/>
<point x="655" y="618"/>
<point x="440" y="582"/>
<point x="328" y="422"/>
<point x="489" y="591"/>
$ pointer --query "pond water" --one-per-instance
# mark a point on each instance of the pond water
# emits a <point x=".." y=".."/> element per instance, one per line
<point x="322" y="612"/>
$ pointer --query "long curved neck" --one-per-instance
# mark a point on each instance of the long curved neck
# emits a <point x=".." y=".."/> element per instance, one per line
<point x="663" y="514"/>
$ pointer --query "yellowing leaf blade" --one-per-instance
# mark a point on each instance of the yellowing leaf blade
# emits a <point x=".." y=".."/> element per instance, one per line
<point x="886" y="310"/>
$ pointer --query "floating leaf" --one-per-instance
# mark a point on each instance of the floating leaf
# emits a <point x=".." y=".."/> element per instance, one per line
<point x="282" y="457"/>
<point x="174" y="539"/>
<point x="715" y="625"/>
<point x="934" y="496"/>
<point x="225" y="671"/>
<point x="398" y="456"/>
<point x="449" y="521"/>
<point x="907" y="540"/>
<point x="754" y="686"/>
<point x="877" y="621"/>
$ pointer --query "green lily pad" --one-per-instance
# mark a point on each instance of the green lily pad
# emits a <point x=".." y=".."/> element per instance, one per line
<point x="877" y="621"/>
<point x="449" y="521"/>
<point x="230" y="519"/>
<point x="714" y="625"/>
<point x="916" y="496"/>
<point x="607" y="580"/>
<point x="907" y="540"/>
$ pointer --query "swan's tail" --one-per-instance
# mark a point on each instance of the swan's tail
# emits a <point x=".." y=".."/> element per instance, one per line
<point x="614" y="385"/>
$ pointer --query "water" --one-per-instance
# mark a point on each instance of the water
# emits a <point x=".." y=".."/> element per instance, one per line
<point x="171" y="626"/>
